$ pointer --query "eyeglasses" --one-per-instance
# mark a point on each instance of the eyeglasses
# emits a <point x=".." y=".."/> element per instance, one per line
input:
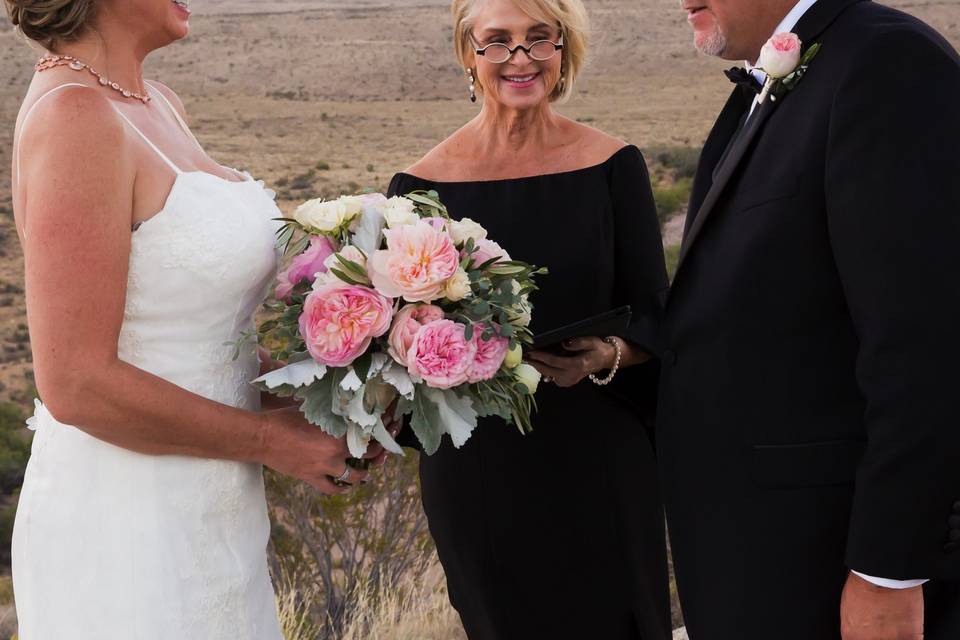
<point x="498" y="53"/>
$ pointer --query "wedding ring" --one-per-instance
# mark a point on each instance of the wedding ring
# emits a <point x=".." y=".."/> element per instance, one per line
<point x="548" y="380"/>
<point x="343" y="476"/>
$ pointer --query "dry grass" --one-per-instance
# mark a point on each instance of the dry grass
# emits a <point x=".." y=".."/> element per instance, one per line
<point x="411" y="610"/>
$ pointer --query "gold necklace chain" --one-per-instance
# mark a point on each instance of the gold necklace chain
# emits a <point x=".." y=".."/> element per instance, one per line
<point x="52" y="61"/>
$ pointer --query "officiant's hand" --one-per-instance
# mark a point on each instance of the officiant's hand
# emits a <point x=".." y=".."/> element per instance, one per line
<point x="583" y="357"/>
<point x="870" y="612"/>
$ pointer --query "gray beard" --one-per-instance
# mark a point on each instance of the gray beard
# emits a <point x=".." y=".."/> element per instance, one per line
<point x="715" y="45"/>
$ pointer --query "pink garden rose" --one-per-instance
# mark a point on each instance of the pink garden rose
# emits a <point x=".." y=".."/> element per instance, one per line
<point x="339" y="321"/>
<point x="417" y="263"/>
<point x="487" y="250"/>
<point x="406" y="324"/>
<point x="304" y="266"/>
<point x="490" y="355"/>
<point x="441" y="355"/>
<point x="780" y="56"/>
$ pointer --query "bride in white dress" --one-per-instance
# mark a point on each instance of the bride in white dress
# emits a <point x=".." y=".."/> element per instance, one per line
<point x="142" y="515"/>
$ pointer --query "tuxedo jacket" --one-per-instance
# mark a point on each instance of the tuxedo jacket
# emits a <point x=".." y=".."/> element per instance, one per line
<point x="809" y="416"/>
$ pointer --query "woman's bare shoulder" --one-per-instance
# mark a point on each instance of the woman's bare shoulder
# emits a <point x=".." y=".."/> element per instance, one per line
<point x="445" y="161"/>
<point x="595" y="146"/>
<point x="70" y="114"/>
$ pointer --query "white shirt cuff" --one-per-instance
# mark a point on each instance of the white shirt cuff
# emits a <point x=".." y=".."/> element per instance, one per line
<point x="891" y="584"/>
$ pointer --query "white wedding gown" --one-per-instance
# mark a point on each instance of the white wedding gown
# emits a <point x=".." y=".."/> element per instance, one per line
<point x="114" y="545"/>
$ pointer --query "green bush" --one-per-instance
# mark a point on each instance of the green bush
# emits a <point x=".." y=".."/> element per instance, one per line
<point x="680" y="161"/>
<point x="304" y="180"/>
<point x="671" y="198"/>
<point x="14" y="448"/>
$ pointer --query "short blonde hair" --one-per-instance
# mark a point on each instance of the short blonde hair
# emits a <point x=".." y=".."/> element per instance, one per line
<point x="569" y="15"/>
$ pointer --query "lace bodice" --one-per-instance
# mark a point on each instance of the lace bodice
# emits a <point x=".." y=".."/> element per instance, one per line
<point x="199" y="270"/>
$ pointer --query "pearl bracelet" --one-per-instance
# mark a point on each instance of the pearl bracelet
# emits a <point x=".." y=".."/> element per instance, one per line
<point x="616" y="365"/>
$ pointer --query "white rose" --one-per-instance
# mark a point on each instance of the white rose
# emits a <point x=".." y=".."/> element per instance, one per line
<point x="463" y="230"/>
<point x="521" y="314"/>
<point x="325" y="217"/>
<point x="457" y="287"/>
<point x="780" y="56"/>
<point x="399" y="211"/>
<point x="528" y="376"/>
<point x="352" y="208"/>
<point x="514" y="357"/>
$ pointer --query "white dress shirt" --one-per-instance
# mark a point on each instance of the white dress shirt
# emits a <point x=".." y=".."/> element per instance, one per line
<point x="787" y="25"/>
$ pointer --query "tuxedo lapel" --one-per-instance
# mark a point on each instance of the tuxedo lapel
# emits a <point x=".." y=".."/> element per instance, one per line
<point x="724" y="172"/>
<point x="717" y="143"/>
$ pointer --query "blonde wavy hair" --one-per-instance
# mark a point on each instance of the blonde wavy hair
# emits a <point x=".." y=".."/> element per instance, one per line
<point x="49" y="22"/>
<point x="569" y="15"/>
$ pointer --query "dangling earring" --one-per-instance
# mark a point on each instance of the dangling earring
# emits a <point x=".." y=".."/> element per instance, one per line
<point x="562" y="82"/>
<point x="473" y="85"/>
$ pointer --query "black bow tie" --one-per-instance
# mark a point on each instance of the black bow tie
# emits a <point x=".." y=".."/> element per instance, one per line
<point x="745" y="80"/>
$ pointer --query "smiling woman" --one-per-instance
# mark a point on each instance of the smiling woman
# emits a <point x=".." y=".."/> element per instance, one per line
<point x="564" y="23"/>
<point x="558" y="533"/>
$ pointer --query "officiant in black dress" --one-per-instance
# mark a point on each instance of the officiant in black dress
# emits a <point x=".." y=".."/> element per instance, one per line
<point x="559" y="533"/>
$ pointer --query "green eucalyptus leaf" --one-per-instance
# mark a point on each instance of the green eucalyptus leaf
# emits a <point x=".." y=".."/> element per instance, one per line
<point x="318" y="405"/>
<point x="361" y="366"/>
<point x="425" y="422"/>
<point x="348" y="279"/>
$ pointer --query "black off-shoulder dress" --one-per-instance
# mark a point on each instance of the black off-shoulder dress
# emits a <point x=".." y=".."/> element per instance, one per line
<point x="560" y="533"/>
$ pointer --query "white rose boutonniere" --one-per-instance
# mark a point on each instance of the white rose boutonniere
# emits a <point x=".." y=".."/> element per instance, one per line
<point x="783" y="60"/>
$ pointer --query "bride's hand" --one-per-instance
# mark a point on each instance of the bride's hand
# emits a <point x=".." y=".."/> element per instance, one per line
<point x="297" y="448"/>
<point x="376" y="454"/>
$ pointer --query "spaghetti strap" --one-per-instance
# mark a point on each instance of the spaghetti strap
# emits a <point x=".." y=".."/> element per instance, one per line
<point x="176" y="114"/>
<point x="149" y="142"/>
<point x="26" y="118"/>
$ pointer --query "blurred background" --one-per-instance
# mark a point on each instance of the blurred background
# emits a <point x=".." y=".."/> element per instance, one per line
<point x="320" y="98"/>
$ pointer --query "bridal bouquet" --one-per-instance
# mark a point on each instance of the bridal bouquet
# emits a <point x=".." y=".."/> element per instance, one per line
<point x="391" y="299"/>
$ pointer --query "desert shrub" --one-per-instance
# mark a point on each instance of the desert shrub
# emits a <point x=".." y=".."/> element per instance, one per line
<point x="322" y="166"/>
<point x="8" y="514"/>
<point x="304" y="180"/>
<point x="680" y="161"/>
<point x="14" y="448"/>
<point x="6" y="590"/>
<point x="330" y="551"/>
<point x="671" y="198"/>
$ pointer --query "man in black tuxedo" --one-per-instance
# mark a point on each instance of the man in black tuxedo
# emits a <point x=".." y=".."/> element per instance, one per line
<point x="809" y="421"/>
